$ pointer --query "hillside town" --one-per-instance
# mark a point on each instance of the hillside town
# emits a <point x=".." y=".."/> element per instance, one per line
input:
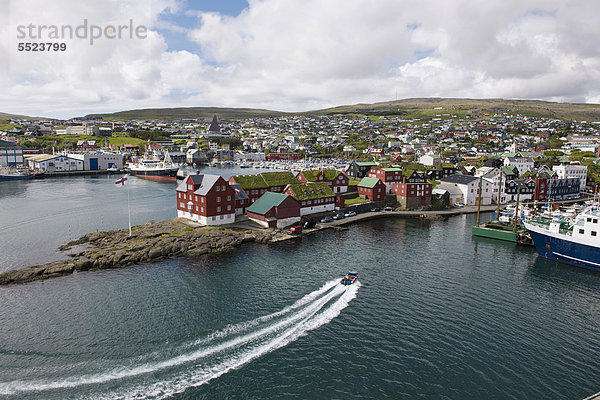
<point x="325" y="163"/>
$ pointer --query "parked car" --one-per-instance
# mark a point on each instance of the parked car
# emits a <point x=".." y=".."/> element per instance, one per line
<point x="459" y="205"/>
<point x="375" y="209"/>
<point x="295" y="230"/>
<point x="350" y="213"/>
<point x="308" y="224"/>
<point x="388" y="209"/>
<point x="339" y="215"/>
<point x="326" y="219"/>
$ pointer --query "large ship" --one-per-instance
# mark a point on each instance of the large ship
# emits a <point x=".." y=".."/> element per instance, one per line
<point x="576" y="243"/>
<point x="155" y="169"/>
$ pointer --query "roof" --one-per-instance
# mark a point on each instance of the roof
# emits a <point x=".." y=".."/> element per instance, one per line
<point x="240" y="194"/>
<point x="365" y="163"/>
<point x="460" y="179"/>
<point x="266" y="202"/>
<point x="391" y="169"/>
<point x="311" y="174"/>
<point x="311" y="190"/>
<point x="279" y="178"/>
<point x="250" y="181"/>
<point x="195" y="178"/>
<point x="508" y="169"/>
<point x="205" y="181"/>
<point x="214" y="125"/>
<point x="368" y="182"/>
<point x="265" y="179"/>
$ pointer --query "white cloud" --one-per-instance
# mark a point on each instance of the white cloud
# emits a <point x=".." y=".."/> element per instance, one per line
<point x="306" y="54"/>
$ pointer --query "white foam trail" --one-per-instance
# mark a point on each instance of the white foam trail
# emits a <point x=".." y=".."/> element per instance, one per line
<point x="312" y="303"/>
<point x="310" y="322"/>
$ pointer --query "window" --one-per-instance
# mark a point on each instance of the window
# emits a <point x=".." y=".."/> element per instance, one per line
<point x="219" y="209"/>
<point x="581" y="231"/>
<point x="593" y="233"/>
<point x="182" y="204"/>
<point x="196" y="208"/>
<point x="228" y="198"/>
<point x="201" y="209"/>
<point x="179" y="195"/>
<point x="595" y="221"/>
<point x="201" y="199"/>
<point x="218" y="199"/>
<point x="184" y="196"/>
<point x="228" y="207"/>
<point x="218" y="188"/>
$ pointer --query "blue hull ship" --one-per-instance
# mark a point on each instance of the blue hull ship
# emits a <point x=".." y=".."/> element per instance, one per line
<point x="576" y="244"/>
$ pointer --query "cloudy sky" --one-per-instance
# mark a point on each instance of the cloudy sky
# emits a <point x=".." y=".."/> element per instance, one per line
<point x="293" y="55"/>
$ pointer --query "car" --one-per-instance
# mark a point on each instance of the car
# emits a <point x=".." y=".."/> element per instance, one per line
<point x="326" y="219"/>
<point x="350" y="213"/>
<point x="388" y="209"/>
<point x="295" y="230"/>
<point x="308" y="224"/>
<point x="375" y="209"/>
<point x="338" y="216"/>
<point x="459" y="205"/>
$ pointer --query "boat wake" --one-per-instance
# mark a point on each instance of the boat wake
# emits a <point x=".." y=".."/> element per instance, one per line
<point x="206" y="358"/>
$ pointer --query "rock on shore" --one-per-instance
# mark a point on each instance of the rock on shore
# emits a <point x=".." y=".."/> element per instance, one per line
<point x="153" y="241"/>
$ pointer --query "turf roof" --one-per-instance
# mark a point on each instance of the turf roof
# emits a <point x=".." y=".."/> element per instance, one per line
<point x="311" y="190"/>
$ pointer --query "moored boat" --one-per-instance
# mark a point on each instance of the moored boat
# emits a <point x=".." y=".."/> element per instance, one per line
<point x="154" y="169"/>
<point x="576" y="243"/>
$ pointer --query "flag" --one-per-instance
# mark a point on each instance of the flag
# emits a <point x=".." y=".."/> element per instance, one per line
<point x="122" y="180"/>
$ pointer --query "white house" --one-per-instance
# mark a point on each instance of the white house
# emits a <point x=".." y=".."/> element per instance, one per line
<point x="573" y="170"/>
<point x="54" y="163"/>
<point x="469" y="186"/>
<point x="99" y="161"/>
<point x="523" y="164"/>
<point x="431" y="159"/>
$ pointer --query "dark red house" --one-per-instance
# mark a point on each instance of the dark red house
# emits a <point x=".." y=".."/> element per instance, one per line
<point x="372" y="189"/>
<point x="208" y="199"/>
<point x="274" y="210"/>
<point x="414" y="191"/>
<point x="388" y="176"/>
<point x="336" y="180"/>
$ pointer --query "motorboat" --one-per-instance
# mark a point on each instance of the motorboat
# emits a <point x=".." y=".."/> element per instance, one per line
<point x="350" y="278"/>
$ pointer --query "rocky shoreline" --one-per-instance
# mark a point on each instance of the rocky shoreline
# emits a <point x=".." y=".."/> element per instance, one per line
<point x="151" y="242"/>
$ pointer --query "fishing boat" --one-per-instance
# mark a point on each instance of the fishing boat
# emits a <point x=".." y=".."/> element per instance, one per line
<point x="576" y="243"/>
<point x="155" y="169"/>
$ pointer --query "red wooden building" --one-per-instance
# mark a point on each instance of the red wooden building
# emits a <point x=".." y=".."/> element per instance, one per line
<point x="257" y="185"/>
<point x="336" y="180"/>
<point x="208" y="199"/>
<point x="274" y="210"/>
<point x="414" y="191"/>
<point x="314" y="197"/>
<point x="388" y="176"/>
<point x="372" y="189"/>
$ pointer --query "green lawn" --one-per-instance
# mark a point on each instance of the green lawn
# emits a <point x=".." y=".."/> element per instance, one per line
<point x="356" y="200"/>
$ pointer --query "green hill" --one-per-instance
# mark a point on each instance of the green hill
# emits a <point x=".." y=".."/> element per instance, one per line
<point x="409" y="108"/>
<point x="187" y="112"/>
<point x="429" y="107"/>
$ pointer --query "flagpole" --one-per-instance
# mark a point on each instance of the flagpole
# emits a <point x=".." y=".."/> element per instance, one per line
<point x="128" y="210"/>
